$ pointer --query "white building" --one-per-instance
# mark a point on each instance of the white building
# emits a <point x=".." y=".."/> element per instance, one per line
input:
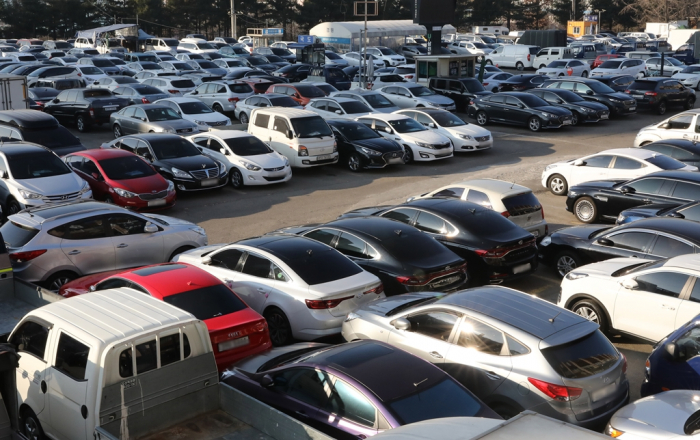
<point x="345" y="35"/>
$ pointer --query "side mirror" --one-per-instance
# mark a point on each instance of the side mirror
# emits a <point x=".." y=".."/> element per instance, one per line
<point x="224" y="151"/>
<point x="267" y="381"/>
<point x="629" y="284"/>
<point x="589" y="92"/>
<point x="627" y="190"/>
<point x="579" y="163"/>
<point x="666" y="126"/>
<point x="93" y="288"/>
<point x="148" y="157"/>
<point x="431" y="124"/>
<point x="3" y="174"/>
<point x="388" y="130"/>
<point x="206" y="260"/>
<point x="56" y="100"/>
<point x="338" y="112"/>
<point x="150" y="228"/>
<point x="97" y="177"/>
<point x="672" y="350"/>
<point x="289" y="134"/>
<point x="402" y="324"/>
<point x="194" y="92"/>
<point x="676" y="215"/>
<point x="605" y="242"/>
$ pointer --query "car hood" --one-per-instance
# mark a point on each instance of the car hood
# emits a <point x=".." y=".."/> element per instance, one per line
<point x="666" y="412"/>
<point x="470" y="129"/>
<point x="608" y="267"/>
<point x="270" y="160"/>
<point x="379" y="144"/>
<point x="437" y="99"/>
<point x="618" y="95"/>
<point x="54" y="185"/>
<point x="425" y="136"/>
<point x="582" y="232"/>
<point x="172" y="221"/>
<point x="206" y="117"/>
<point x="385" y="305"/>
<point x="686" y="75"/>
<point x="154" y="97"/>
<point x="553" y="110"/>
<point x="150" y="184"/>
<point x="648" y="210"/>
<point x="190" y="163"/>
<point x="596" y="184"/>
<point x="252" y="363"/>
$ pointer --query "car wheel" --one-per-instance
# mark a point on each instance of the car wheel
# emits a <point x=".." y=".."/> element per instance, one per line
<point x="278" y="324"/>
<point x="13" y="207"/>
<point x="489" y="62"/>
<point x="520" y="66"/>
<point x="558" y="185"/>
<point x="218" y="108"/>
<point x="584" y="74"/>
<point x="178" y="251"/>
<point x="494" y="90"/>
<point x="585" y="210"/>
<point x="117" y="131"/>
<point x="561" y="75"/>
<point x="387" y="64"/>
<point x="408" y="154"/>
<point x="689" y="103"/>
<point x="81" y="124"/>
<point x="534" y="124"/>
<point x="30" y="425"/>
<point x="661" y="108"/>
<point x="542" y="66"/>
<point x="109" y="200"/>
<point x="243" y="118"/>
<point x="566" y="261"/>
<point x="575" y="118"/>
<point x="482" y="118"/>
<point x="57" y="280"/>
<point x="354" y="162"/>
<point x="236" y="178"/>
<point x="591" y="311"/>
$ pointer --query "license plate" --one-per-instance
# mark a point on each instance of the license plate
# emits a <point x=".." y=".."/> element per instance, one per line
<point x="445" y="282"/>
<point x="633" y="109"/>
<point x="110" y="108"/>
<point x="234" y="343"/>
<point x="323" y="157"/>
<point x="159" y="202"/>
<point x="638" y="96"/>
<point x="566" y="122"/>
<point x="522" y="268"/>
<point x="604" y="116"/>
<point x="209" y="182"/>
<point x="604" y="392"/>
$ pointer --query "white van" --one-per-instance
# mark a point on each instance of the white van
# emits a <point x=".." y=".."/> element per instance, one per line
<point x="495" y="30"/>
<point x="165" y="44"/>
<point x="548" y="54"/>
<point x="117" y="359"/>
<point x="519" y="56"/>
<point x="301" y="136"/>
<point x="196" y="45"/>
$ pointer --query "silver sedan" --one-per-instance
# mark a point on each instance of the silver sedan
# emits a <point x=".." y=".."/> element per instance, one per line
<point x="150" y="118"/>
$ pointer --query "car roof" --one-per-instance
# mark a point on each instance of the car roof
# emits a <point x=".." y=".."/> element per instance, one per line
<point x="638" y="153"/>
<point x="373" y="226"/>
<point x="169" y="278"/>
<point x="525" y="312"/>
<point x="27" y="118"/>
<point x="680" y="143"/>
<point x="20" y="148"/>
<point x="226" y="134"/>
<point x="287" y="111"/>
<point x="285" y="246"/>
<point x="104" y="153"/>
<point x="687" y="229"/>
<point x="448" y="207"/>
<point x="147" y="107"/>
<point x="687" y="261"/>
<point x="386" y="116"/>
<point x="680" y="175"/>
<point x="178" y="99"/>
<point x="654" y="80"/>
<point x="493" y="186"/>
<point x="270" y="95"/>
<point x="34" y="217"/>
<point x="338" y="100"/>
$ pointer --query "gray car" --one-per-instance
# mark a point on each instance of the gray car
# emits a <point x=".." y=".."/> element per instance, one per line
<point x="514" y="351"/>
<point x="56" y="244"/>
<point x="207" y="66"/>
<point x="416" y="95"/>
<point x="222" y="96"/>
<point x="374" y="100"/>
<point x="139" y="93"/>
<point x="150" y="118"/>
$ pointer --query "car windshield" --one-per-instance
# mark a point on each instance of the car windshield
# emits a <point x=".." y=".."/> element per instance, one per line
<point x="194" y="108"/>
<point x="407" y="125"/>
<point x="691" y="69"/>
<point x="257" y="60"/>
<point x="283" y="101"/>
<point x="36" y="165"/>
<point x="377" y="101"/>
<point x="557" y="64"/>
<point x="51" y="138"/>
<point x="147" y="90"/>
<point x="444" y="399"/>
<point x="102" y="63"/>
<point x="161" y="114"/>
<point x="333" y="56"/>
<point x="611" y="64"/>
<point x="207" y="302"/>
<point x="150" y="66"/>
<point x="126" y="167"/>
<point x="207" y="65"/>
<point x="236" y="63"/>
<point x="665" y="162"/>
<point x="643" y="85"/>
<point x="182" y="83"/>
<point x="473" y="85"/>
<point x="173" y="147"/>
<point x="355" y="107"/>
<point x="247" y="146"/>
<point x="421" y="91"/>
<point x="386" y="51"/>
<point x="584" y="357"/>
<point x="16" y="235"/>
<point x="599" y="87"/>
<point x="447" y="119"/>
<point x="240" y="88"/>
<point x="181" y="66"/>
<point x="311" y="127"/>
<point x="356" y="131"/>
<point x="118" y="62"/>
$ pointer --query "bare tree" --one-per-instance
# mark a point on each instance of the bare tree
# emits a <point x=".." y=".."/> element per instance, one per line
<point x="661" y="10"/>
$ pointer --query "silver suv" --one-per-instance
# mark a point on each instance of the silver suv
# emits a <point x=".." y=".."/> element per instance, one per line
<point x="514" y="351"/>
<point x="54" y="245"/>
<point x="221" y="96"/>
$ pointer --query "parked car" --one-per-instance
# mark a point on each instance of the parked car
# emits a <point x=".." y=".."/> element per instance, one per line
<point x="139" y="93"/>
<point x="621" y="66"/>
<point x="519" y="108"/>
<point x="416" y="95"/>
<point x="356" y="59"/>
<point x="581" y="110"/>
<point x="671" y="66"/>
<point x="42" y="95"/>
<point x="148" y="66"/>
<point x="85" y="107"/>
<point x="517" y="83"/>
<point x="245" y="107"/>
<point x="371" y="98"/>
<point x="52" y="72"/>
<point x="332" y="75"/>
<point x="149" y="118"/>
<point x="207" y="66"/>
<point x="39" y="128"/>
<point x="689" y="76"/>
<point x="680" y="126"/>
<point x="410" y="51"/>
<point x="516" y="55"/>
<point x="668" y="414"/>
<point x="386" y="55"/>
<point x="113" y="82"/>
<point x="337" y="108"/>
<point x="104" y="64"/>
<point x="688" y="211"/>
<point x="293" y="72"/>
<point x="683" y="150"/>
<point x="492" y="340"/>
<point x="600" y="59"/>
<point x="593" y="90"/>
<point x="231" y="63"/>
<point x="221" y="96"/>
<point x="196" y="45"/>
<point x="492" y="80"/>
<point x="361" y="148"/>
<point x="463" y="135"/>
<point x="566" y="68"/>
<point x="301" y="93"/>
<point x="548" y="54"/>
<point x="328" y="89"/>
<point x="461" y="91"/>
<point x="176" y="67"/>
<point x="618" y="83"/>
<point x="660" y="93"/>
<point x="196" y="111"/>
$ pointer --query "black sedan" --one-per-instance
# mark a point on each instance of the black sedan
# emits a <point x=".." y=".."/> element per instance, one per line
<point x="494" y="247"/>
<point x="593" y="90"/>
<point x="618" y="83"/>
<point x="661" y="93"/>
<point x="85" y="107"/>
<point x="176" y="159"/>
<point x="293" y="72"/>
<point x="206" y="66"/>
<point x="401" y="256"/>
<point x="605" y="199"/>
<point x="688" y="211"/>
<point x="581" y="110"/>
<point x="518" y="108"/>
<point x="42" y="95"/>
<point x="260" y="62"/>
<point x="651" y="239"/>
<point x="520" y="83"/>
<point x="411" y="50"/>
<point x="683" y="150"/>
<point x="361" y="148"/>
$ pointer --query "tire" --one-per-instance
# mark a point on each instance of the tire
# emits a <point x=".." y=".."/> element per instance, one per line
<point x="408" y="155"/>
<point x="109" y="200"/>
<point x="30" y="425"/>
<point x="82" y="124"/>
<point x="236" y="178"/>
<point x="520" y="66"/>
<point x="584" y="74"/>
<point x="354" y="163"/>
<point x="387" y="64"/>
<point x="534" y="124"/>
<point x="558" y="185"/>
<point x="542" y="66"/>
<point x="585" y="210"/>
<point x="218" y="108"/>
<point x="490" y="63"/>
<point x="13" y="207"/>
<point x="561" y="75"/>
<point x="117" y="130"/>
<point x="482" y="118"/>
<point x="58" y="279"/>
<point x="689" y="103"/>
<point x="280" y="330"/>
<point x="565" y="262"/>
<point x="661" y="108"/>
<point x="575" y="118"/>
<point x="592" y="311"/>
<point x="243" y="118"/>
<point x="494" y="90"/>
<point x="178" y="251"/>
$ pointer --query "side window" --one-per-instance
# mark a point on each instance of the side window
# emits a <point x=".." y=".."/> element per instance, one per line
<point x="256" y="266"/>
<point x="227" y="259"/>
<point x="481" y="337"/>
<point x="453" y="193"/>
<point x="281" y="126"/>
<point x="140" y="114"/>
<point x="433" y="224"/>
<point x="598" y="161"/>
<point x="352" y="246"/>
<point x="582" y="88"/>
<point x="634" y="241"/>
<point x="75" y="162"/>
<point x="129" y="144"/>
<point x="686" y="190"/>
<point x="434" y="324"/>
<point x="566" y="86"/>
<point x="647" y="186"/>
<point x="692" y="213"/>
<point x="625" y="163"/>
<point x="306" y="385"/>
<point x="31" y="338"/>
<point x="83" y="229"/>
<point x="423" y="119"/>
<point x="90" y="168"/>
<point x="663" y="283"/>
<point x="169" y="349"/>
<point x="479" y="198"/>
<point x="262" y="120"/>
<point x="71" y="357"/>
<point x="695" y="294"/>
<point x="668" y="247"/>
<point x="512" y="101"/>
<point x="125" y="224"/>
<point x="126" y="363"/>
<point x="681" y="122"/>
<point x="402" y="215"/>
<point x="352" y="405"/>
<point x="323" y="235"/>
<point x="146" y="357"/>
<point x="333" y="107"/>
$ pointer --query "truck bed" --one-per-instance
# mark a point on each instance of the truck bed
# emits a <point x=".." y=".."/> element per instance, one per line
<point x="11" y="311"/>
<point x="215" y="425"/>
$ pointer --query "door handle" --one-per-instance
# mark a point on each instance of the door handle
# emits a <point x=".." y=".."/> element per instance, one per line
<point x="74" y="252"/>
<point x="491" y="375"/>
<point x="435" y="354"/>
<point x="261" y="289"/>
<point x="122" y="245"/>
<point x="301" y="413"/>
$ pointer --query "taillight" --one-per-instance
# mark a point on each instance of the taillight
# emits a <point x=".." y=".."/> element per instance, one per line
<point x="409" y="76"/>
<point x="528" y="57"/>
<point x="557" y="392"/>
<point x="21" y="257"/>
<point x="505" y="214"/>
<point x="80" y="74"/>
<point x="303" y="151"/>
<point x="628" y="92"/>
<point x="409" y="281"/>
<point x="650" y="94"/>
<point x="319" y="304"/>
<point x="172" y="92"/>
<point x="145" y="101"/>
<point x="542" y="209"/>
<point x="484" y="84"/>
<point x="91" y="111"/>
<point x="376" y="290"/>
<point x="233" y="100"/>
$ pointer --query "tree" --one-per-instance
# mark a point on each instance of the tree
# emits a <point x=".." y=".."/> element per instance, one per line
<point x="654" y="10"/>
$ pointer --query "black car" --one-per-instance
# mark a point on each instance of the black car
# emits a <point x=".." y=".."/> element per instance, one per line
<point x="51" y="71"/>
<point x="618" y="83"/>
<point x="461" y="90"/>
<point x="495" y="248"/>
<point x="605" y="199"/>
<point x="651" y="239"/>
<point x="661" y="93"/>
<point x="688" y="211"/>
<point x="39" y="128"/>
<point x="42" y="95"/>
<point x="411" y="50"/>
<point x="261" y="74"/>
<point x="211" y="56"/>
<point x="361" y="147"/>
<point x="85" y="107"/>
<point x="260" y="62"/>
<point x="277" y="61"/>
<point x="581" y="110"/>
<point x="207" y="66"/>
<point x="519" y="83"/>
<point x="285" y="54"/>
<point x="593" y="90"/>
<point x="176" y="159"/>
<point x="518" y="108"/>
<point x="401" y="256"/>
<point x="682" y="150"/>
<point x="229" y="51"/>
<point x="293" y="72"/>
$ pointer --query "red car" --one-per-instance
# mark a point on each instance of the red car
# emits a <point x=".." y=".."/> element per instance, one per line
<point x="236" y="330"/>
<point x="120" y="177"/>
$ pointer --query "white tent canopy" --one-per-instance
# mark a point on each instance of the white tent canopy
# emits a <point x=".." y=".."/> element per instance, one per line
<point x="390" y="33"/>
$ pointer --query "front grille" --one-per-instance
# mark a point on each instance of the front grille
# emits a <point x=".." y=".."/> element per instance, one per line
<point x="155" y="196"/>
<point x="61" y="198"/>
<point x="443" y="155"/>
<point x="184" y="130"/>
<point x="630" y="103"/>
<point x="205" y="174"/>
<point x="216" y="124"/>
<point x="321" y="162"/>
<point x="274" y="169"/>
<point x="482" y="138"/>
<point x="441" y="146"/>
<point x="273" y="179"/>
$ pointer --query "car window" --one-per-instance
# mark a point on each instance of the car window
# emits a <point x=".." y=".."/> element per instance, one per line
<point x="634" y="241"/>
<point x="281" y="125"/>
<point x="146" y="357"/>
<point x="691" y="213"/>
<point x="480" y="337"/>
<point x="602" y="161"/>
<point x="453" y="193"/>
<point x="262" y="120"/>
<point x="479" y="198"/>
<point x="625" y="163"/>
<point x="662" y="283"/>
<point x="71" y="357"/>
<point x="668" y="247"/>
<point x="83" y="229"/>
<point x="123" y="224"/>
<point x="31" y="337"/>
<point x="431" y="223"/>
<point x="686" y="190"/>
<point x="352" y="246"/>
<point x="306" y="385"/>
<point x="257" y="266"/>
<point x="590" y="355"/>
<point x="435" y="324"/>
<point x="323" y="235"/>
<point x="680" y="122"/>
<point x="352" y="405"/>
<point x="647" y="186"/>
<point x="402" y="215"/>
<point x="227" y="259"/>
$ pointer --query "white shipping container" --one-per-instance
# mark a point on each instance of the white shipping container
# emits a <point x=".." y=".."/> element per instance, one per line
<point x="13" y="92"/>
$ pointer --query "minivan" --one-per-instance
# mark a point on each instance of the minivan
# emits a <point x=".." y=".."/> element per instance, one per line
<point x="115" y="359"/>
<point x="301" y="136"/>
<point x="39" y="128"/>
<point x="548" y="54"/>
<point x="167" y="44"/>
<point x="515" y="55"/>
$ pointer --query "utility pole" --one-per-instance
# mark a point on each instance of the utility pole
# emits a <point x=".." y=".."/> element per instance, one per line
<point x="364" y="56"/>
<point x="233" y="20"/>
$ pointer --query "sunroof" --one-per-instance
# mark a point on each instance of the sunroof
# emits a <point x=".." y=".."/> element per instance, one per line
<point x="158" y="269"/>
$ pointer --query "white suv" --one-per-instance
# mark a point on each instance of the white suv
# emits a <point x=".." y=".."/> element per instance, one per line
<point x="621" y="66"/>
<point x="388" y="56"/>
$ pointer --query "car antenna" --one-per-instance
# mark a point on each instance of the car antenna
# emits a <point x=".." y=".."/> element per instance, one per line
<point x="309" y="251"/>
<point x="415" y="384"/>
<point x="551" y="320"/>
<point x="397" y="231"/>
<point x="472" y="210"/>
<point x="511" y="186"/>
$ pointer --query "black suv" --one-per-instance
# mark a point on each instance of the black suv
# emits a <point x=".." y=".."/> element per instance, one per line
<point x="660" y="93"/>
<point x="85" y="107"/>
<point x="461" y="91"/>
<point x="293" y="72"/>
<point x="593" y="90"/>
<point x="39" y="128"/>
<point x="409" y="51"/>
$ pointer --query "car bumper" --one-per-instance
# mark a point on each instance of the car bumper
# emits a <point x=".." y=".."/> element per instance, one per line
<point x="199" y="185"/>
<point x="425" y="154"/>
<point x="621" y="109"/>
<point x="511" y="271"/>
<point x="374" y="162"/>
<point x="251" y="178"/>
<point x="33" y="203"/>
<point x="596" y="423"/>
<point x="138" y="204"/>
<point x="314" y="161"/>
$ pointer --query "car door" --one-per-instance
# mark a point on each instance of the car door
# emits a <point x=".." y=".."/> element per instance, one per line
<point x="32" y="341"/>
<point x="57" y="109"/>
<point x="87" y="244"/>
<point x="494" y="106"/>
<point x="132" y="245"/>
<point x="299" y="392"/>
<point x="201" y="93"/>
<point x="626" y="168"/>
<point x="429" y="335"/>
<point x="349" y="411"/>
<point x="594" y="167"/>
<point x="650" y="309"/>
<point x="625" y="244"/>
<point x="139" y="122"/>
<point x="690" y="308"/>
<point x="682" y="126"/>
<point x="252" y="281"/>
<point x="403" y="97"/>
<point x="514" y="111"/>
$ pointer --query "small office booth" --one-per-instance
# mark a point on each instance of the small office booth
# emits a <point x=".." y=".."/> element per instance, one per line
<point x="445" y="66"/>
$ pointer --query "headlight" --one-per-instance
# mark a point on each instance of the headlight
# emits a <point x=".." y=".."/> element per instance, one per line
<point x="575" y="275"/>
<point x="200" y="123"/>
<point x="370" y="151"/>
<point x="167" y="130"/>
<point x="587" y="110"/>
<point x="181" y="174"/>
<point x="546" y="241"/>
<point x="615" y="100"/>
<point x="29" y="195"/>
<point x="249" y="166"/>
<point x="421" y="144"/>
<point x="222" y="168"/>
<point x="85" y="188"/>
<point x="199" y="230"/>
<point x="547" y="115"/>
<point x="549" y="167"/>
<point x="171" y="186"/>
<point x="286" y="162"/>
<point x="612" y="432"/>
<point x="351" y="316"/>
<point x="228" y="122"/>
<point x="465" y="136"/>
<point x="335" y="145"/>
<point x="124" y="193"/>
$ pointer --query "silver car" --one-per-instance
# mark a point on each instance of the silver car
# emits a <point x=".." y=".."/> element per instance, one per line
<point x="112" y="83"/>
<point x="514" y="351"/>
<point x="245" y="107"/>
<point x="374" y="100"/>
<point x="222" y="96"/>
<point x="56" y="244"/>
<point x="150" y="118"/>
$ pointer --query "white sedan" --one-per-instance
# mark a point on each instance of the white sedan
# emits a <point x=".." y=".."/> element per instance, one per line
<point x="492" y="80"/>
<point x="465" y="137"/>
<point x="566" y="68"/>
<point x="663" y="416"/>
<point x="615" y="164"/>
<point x="249" y="160"/>
<point x="690" y="76"/>
<point x="90" y="73"/>
<point x="196" y="111"/>
<point x="354" y="59"/>
<point x="302" y="287"/>
<point x="338" y="108"/>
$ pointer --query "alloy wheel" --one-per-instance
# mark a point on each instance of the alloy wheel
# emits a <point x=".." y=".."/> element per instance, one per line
<point x="585" y="210"/>
<point x="31" y="429"/>
<point x="534" y="124"/>
<point x="354" y="162"/>
<point x="565" y="264"/>
<point x="481" y="118"/>
<point x="57" y="283"/>
<point x="588" y="313"/>
<point x="279" y="332"/>
<point x="557" y="185"/>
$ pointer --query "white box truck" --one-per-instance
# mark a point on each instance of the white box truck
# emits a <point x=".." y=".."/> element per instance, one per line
<point x="13" y="92"/>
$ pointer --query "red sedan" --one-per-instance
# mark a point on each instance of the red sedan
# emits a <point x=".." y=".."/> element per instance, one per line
<point x="236" y="330"/>
<point x="120" y="177"/>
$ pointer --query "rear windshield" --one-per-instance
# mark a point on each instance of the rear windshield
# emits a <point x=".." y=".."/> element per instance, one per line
<point x="473" y="85"/>
<point x="97" y="93"/>
<point x="207" y="65"/>
<point x="240" y="88"/>
<point x="36" y="165"/>
<point x="534" y="50"/>
<point x="643" y="85"/>
<point x="102" y="63"/>
<point x="522" y="204"/>
<point x="323" y="267"/>
<point x="283" y="101"/>
<point x="311" y="127"/>
<point x="52" y="138"/>
<point x="208" y="302"/>
<point x="125" y="168"/>
<point x="195" y="108"/>
<point x="445" y="399"/>
<point x="182" y="83"/>
<point x="583" y="357"/>
<point x="144" y="89"/>
<point x="611" y="64"/>
<point x="333" y="56"/>
<point x="16" y="235"/>
<point x="248" y="146"/>
<point x="665" y="162"/>
<point x="151" y="66"/>
<point x="355" y="107"/>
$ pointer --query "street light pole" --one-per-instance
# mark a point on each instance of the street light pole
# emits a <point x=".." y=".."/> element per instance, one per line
<point x="233" y="20"/>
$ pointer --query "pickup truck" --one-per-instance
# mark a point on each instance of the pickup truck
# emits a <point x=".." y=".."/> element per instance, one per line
<point x="85" y="107"/>
<point x="686" y="54"/>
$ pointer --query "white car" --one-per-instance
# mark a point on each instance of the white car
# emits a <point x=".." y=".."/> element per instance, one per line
<point x="689" y="77"/>
<point x="615" y="164"/>
<point x="681" y="126"/>
<point x="671" y="66"/>
<point x="196" y="45"/>
<point x="386" y="56"/>
<point x="90" y="73"/>
<point x="354" y="59"/>
<point x="145" y="65"/>
<point x="621" y="66"/>
<point x="566" y="68"/>
<point x="196" y="111"/>
<point x="249" y="160"/>
<point x="419" y="142"/>
<point x="647" y="300"/>
<point x="304" y="288"/>
<point x="662" y="416"/>
<point x="413" y="95"/>
<point x="245" y="107"/>
<point x="333" y="59"/>
<point x="231" y="64"/>
<point x="113" y="82"/>
<point x="492" y="80"/>
<point x="465" y="137"/>
<point x="172" y="85"/>
<point x="462" y="47"/>
<point x="338" y="108"/>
